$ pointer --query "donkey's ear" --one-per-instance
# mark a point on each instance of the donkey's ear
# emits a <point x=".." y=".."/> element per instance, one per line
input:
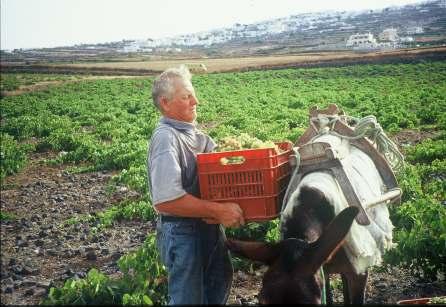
<point x="331" y="239"/>
<point x="256" y="251"/>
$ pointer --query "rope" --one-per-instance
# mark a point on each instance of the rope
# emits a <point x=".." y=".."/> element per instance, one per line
<point x="365" y="127"/>
<point x="323" y="294"/>
<point x="294" y="163"/>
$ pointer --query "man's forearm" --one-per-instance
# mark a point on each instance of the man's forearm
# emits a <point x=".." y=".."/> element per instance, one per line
<point x="189" y="206"/>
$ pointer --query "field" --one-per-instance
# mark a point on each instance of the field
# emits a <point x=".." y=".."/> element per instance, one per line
<point x="246" y="63"/>
<point x="233" y="64"/>
<point x="74" y="183"/>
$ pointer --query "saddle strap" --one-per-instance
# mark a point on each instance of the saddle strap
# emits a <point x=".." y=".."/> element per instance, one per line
<point x="335" y="167"/>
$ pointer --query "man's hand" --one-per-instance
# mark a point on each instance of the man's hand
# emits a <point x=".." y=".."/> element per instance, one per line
<point x="227" y="214"/>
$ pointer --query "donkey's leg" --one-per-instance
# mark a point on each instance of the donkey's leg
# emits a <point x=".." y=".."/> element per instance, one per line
<point x="345" y="289"/>
<point x="354" y="287"/>
<point x="358" y="288"/>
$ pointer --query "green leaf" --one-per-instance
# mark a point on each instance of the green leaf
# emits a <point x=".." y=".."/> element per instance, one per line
<point x="147" y="300"/>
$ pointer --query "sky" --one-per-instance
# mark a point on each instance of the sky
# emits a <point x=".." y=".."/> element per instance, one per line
<point x="53" y="23"/>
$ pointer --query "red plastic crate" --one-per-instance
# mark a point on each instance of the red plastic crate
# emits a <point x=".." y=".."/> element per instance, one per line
<point x="257" y="183"/>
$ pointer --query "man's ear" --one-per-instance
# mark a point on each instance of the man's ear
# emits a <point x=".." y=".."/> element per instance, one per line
<point x="164" y="104"/>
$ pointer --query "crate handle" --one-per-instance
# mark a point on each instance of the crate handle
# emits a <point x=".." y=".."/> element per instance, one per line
<point x="232" y="160"/>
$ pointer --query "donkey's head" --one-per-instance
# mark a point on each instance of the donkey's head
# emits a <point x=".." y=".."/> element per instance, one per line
<point x="292" y="276"/>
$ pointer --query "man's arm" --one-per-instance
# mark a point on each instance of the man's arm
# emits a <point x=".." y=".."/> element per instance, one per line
<point x="227" y="214"/>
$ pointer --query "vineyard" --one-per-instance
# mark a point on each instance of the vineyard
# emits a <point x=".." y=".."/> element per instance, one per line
<point x="103" y="126"/>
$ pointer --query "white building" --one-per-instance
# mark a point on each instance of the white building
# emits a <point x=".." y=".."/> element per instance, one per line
<point x="414" y="30"/>
<point x="132" y="47"/>
<point x="389" y="35"/>
<point x="406" y="39"/>
<point x="277" y="27"/>
<point x="362" y="41"/>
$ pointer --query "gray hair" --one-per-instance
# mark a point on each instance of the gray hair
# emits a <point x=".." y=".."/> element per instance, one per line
<point x="164" y="84"/>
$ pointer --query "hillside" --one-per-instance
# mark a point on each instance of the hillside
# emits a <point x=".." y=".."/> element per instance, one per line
<point x="417" y="25"/>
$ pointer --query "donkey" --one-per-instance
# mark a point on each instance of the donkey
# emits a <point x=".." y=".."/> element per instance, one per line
<point x="317" y="217"/>
<point x="294" y="276"/>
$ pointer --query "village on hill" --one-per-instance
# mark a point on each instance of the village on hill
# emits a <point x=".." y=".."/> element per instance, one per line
<point x="409" y="26"/>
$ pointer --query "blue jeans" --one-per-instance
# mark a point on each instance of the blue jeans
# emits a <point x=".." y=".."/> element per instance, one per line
<point x="198" y="263"/>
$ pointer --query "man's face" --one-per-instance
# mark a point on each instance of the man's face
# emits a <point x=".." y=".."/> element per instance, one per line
<point x="183" y="105"/>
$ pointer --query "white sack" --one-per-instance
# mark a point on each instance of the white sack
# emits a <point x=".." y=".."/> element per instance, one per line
<point x="364" y="244"/>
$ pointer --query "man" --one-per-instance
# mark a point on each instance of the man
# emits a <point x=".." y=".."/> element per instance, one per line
<point x="189" y="233"/>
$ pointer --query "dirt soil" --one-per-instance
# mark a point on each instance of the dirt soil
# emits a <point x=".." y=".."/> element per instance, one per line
<point x="43" y="85"/>
<point x="39" y="249"/>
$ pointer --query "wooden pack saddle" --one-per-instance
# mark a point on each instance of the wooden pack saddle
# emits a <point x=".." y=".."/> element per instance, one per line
<point x="318" y="156"/>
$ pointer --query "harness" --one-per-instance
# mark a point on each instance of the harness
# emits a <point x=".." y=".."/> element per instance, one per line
<point x="319" y="156"/>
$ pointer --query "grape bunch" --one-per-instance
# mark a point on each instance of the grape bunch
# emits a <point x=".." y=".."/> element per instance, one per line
<point x="243" y="141"/>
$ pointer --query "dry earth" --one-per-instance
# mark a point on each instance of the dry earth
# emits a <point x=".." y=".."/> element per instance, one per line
<point x="43" y="85"/>
<point x="39" y="249"/>
<point x="258" y="62"/>
<point x="231" y="64"/>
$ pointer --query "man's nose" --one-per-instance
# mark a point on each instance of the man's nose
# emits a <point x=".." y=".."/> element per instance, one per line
<point x="194" y="100"/>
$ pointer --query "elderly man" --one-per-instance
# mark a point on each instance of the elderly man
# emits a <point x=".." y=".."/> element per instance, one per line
<point x="190" y="236"/>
